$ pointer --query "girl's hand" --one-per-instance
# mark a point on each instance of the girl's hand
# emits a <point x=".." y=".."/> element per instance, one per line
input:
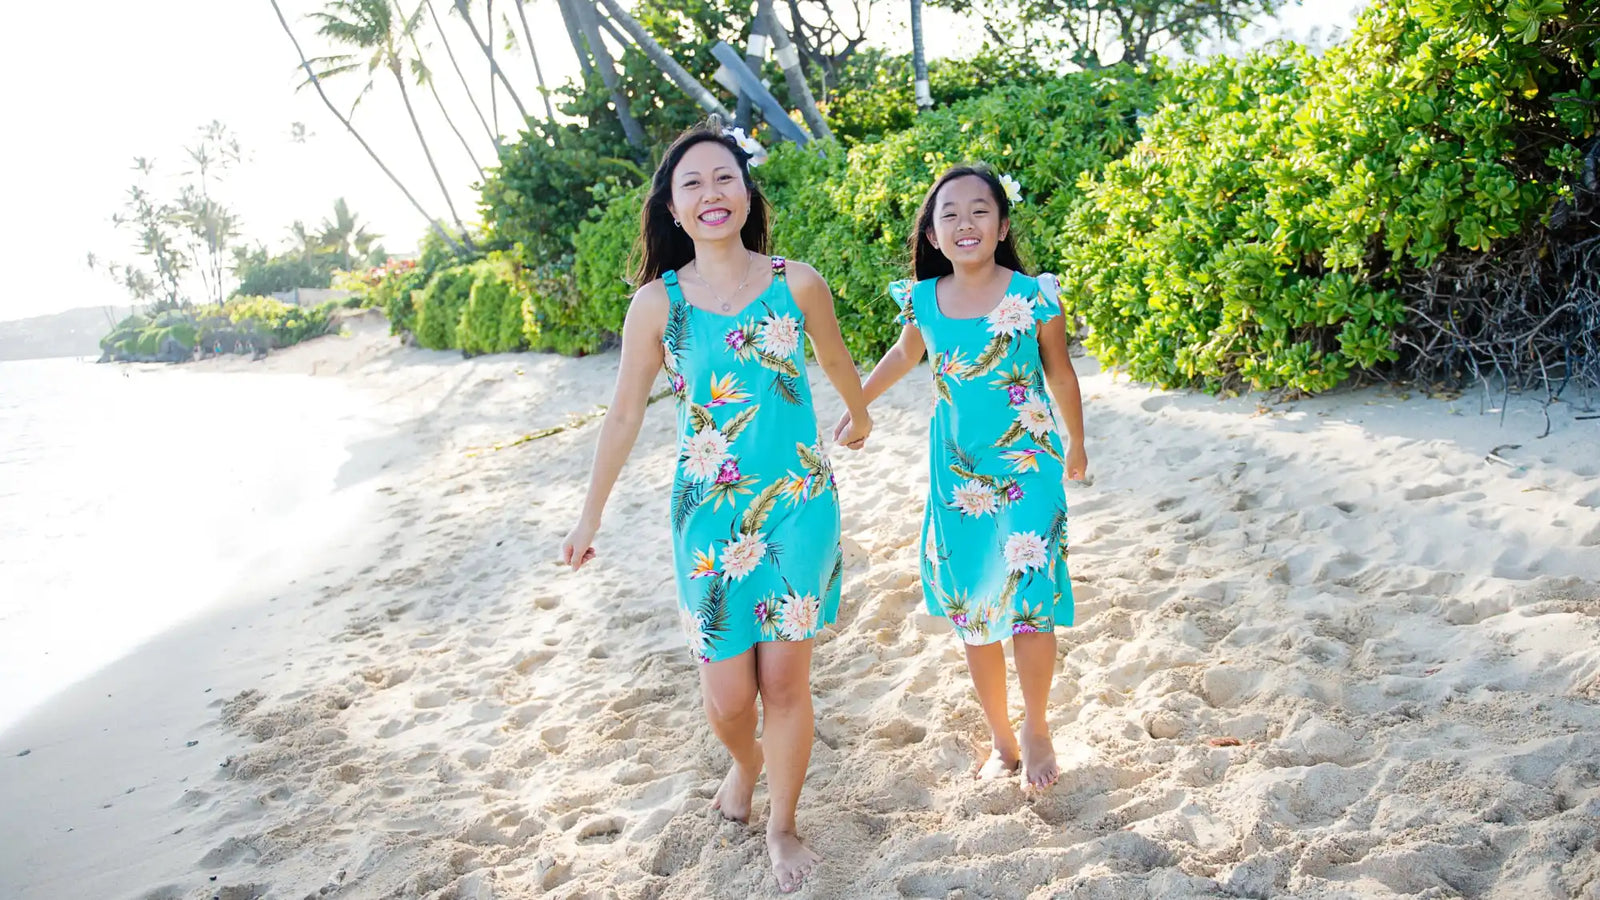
<point x="852" y="432"/>
<point x="1077" y="463"/>
<point x="578" y="548"/>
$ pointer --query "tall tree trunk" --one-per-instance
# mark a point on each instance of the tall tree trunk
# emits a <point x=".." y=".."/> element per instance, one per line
<point x="488" y="51"/>
<point x="405" y="95"/>
<point x="465" y="86"/>
<point x="426" y="76"/>
<point x="570" y="18"/>
<point x="789" y="58"/>
<point x="755" y="53"/>
<point x="665" y="62"/>
<point x="494" y="95"/>
<point x="317" y="83"/>
<point x="608" y="72"/>
<point x="919" y="61"/>
<point x="538" y="71"/>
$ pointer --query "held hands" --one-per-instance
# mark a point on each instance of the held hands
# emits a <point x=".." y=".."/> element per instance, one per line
<point x="578" y="548"/>
<point x="852" y="431"/>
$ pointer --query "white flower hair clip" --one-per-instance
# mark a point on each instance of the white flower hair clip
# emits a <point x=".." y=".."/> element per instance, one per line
<point x="751" y="147"/>
<point x="1013" y="189"/>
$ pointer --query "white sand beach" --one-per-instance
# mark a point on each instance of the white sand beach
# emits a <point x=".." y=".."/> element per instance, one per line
<point x="1339" y="647"/>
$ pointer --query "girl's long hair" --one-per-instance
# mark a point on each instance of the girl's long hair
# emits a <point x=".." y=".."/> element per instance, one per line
<point x="927" y="261"/>
<point x="663" y="246"/>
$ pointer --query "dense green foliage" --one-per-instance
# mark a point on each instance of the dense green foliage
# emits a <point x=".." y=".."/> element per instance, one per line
<point x="241" y="325"/>
<point x="1263" y="230"/>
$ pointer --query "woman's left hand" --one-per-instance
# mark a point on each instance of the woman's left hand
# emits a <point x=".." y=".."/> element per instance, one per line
<point x="1077" y="464"/>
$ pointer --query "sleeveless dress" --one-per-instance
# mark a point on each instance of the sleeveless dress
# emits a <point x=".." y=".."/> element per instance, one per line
<point x="994" y="530"/>
<point x="755" y="514"/>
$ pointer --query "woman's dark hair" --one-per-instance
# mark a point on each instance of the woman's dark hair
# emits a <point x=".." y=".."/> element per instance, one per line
<point x="662" y="245"/>
<point x="927" y="261"/>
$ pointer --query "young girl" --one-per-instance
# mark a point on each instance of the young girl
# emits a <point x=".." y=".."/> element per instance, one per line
<point x="994" y="533"/>
<point x="755" y="519"/>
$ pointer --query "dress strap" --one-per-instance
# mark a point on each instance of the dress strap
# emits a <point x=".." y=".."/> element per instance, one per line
<point x="674" y="291"/>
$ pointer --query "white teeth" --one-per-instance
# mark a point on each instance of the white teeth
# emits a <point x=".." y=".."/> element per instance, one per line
<point x="967" y="242"/>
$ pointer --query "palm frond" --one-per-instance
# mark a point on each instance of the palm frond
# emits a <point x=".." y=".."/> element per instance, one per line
<point x="778" y="364"/>
<point x="1012" y="435"/>
<point x="714" y="609"/>
<point x="755" y="517"/>
<point x="989" y="481"/>
<point x="809" y="458"/>
<point x="737" y="423"/>
<point x="835" y="576"/>
<point x="700" y="417"/>
<point x="787" y="389"/>
<point x="687" y="495"/>
<point x="677" y="331"/>
<point x="963" y="459"/>
<point x="991" y="356"/>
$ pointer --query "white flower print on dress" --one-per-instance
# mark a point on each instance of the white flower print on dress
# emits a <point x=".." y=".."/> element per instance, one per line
<point x="1025" y="550"/>
<point x="799" y="617"/>
<point x="694" y="630"/>
<point x="930" y="550"/>
<point x="1013" y="315"/>
<point x="741" y="556"/>
<point x="974" y="498"/>
<point x="780" y="335"/>
<point x="1033" y="414"/>
<point x="704" y="454"/>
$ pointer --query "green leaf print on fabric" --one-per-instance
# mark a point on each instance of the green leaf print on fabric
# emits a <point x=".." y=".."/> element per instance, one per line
<point x="687" y="495"/>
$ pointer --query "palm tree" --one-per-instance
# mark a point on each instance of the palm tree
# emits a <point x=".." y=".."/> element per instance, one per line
<point x="465" y="10"/>
<point x="664" y="61"/>
<point x="919" y="60"/>
<point x="316" y="82"/>
<point x="439" y="27"/>
<point x="344" y="236"/>
<point x="589" y="20"/>
<point x="569" y="18"/>
<point x="789" y="58"/>
<point x="424" y="76"/>
<point x="372" y="26"/>
<point x="538" y="71"/>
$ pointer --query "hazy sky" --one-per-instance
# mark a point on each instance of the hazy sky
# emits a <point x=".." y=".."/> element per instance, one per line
<point x="143" y="78"/>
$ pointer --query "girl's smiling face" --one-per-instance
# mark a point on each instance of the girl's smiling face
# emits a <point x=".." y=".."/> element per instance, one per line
<point x="709" y="196"/>
<point x="967" y="226"/>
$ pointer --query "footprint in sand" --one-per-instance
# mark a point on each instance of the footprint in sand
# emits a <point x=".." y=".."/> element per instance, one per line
<point x="1429" y="491"/>
<point x="602" y="830"/>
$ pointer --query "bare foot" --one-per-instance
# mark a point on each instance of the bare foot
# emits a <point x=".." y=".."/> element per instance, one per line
<point x="733" y="797"/>
<point x="1039" y="769"/>
<point x="1003" y="762"/>
<point x="792" y="861"/>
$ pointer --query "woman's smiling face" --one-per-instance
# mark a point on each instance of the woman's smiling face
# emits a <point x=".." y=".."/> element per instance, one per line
<point x="709" y="196"/>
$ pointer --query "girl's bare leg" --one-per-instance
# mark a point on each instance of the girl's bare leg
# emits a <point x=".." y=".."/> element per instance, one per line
<point x="1036" y="668"/>
<point x="987" y="663"/>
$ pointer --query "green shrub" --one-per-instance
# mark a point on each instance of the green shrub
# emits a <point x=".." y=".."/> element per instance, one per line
<point x="601" y="265"/>
<point x="1263" y="230"/>
<point x="555" y="314"/>
<point x="492" y="319"/>
<point x="439" y="304"/>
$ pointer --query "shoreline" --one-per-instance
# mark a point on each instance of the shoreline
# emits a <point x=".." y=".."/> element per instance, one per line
<point x="1401" y="634"/>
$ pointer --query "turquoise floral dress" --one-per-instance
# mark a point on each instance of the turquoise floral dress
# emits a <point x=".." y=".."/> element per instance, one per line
<point x="994" y="531"/>
<point x="755" y="514"/>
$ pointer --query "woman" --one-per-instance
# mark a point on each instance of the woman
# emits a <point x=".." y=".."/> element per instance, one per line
<point x="755" y="518"/>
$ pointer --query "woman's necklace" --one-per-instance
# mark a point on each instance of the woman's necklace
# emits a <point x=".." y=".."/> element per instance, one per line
<point x="749" y="262"/>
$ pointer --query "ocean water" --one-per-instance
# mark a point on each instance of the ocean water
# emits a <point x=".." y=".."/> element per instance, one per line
<point x="133" y="498"/>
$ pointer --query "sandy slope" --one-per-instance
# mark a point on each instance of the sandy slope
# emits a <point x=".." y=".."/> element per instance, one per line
<point x="1401" y="638"/>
